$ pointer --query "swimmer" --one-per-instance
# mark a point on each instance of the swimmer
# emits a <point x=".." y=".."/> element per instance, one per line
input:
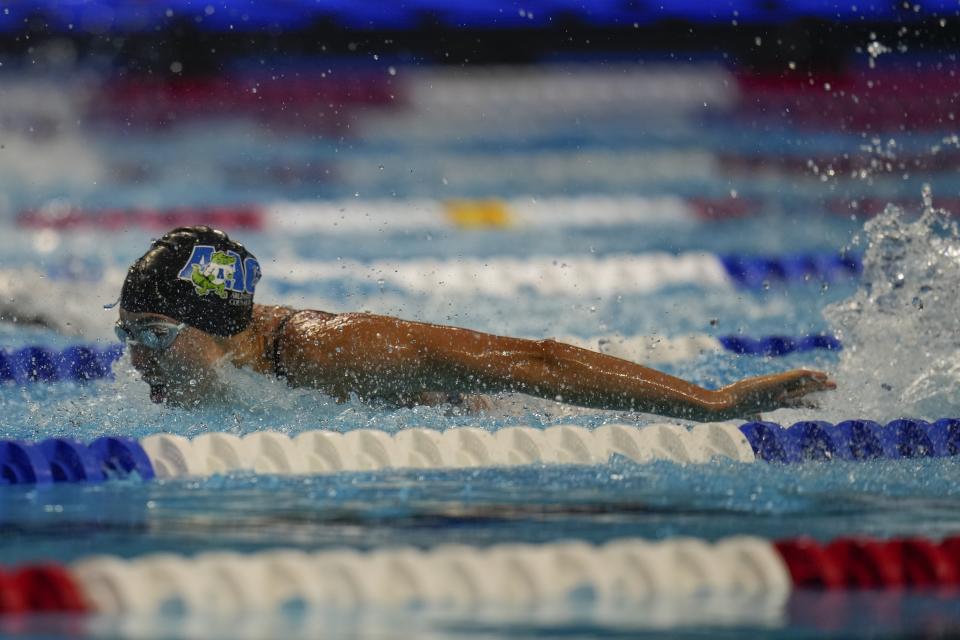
<point x="187" y="305"/>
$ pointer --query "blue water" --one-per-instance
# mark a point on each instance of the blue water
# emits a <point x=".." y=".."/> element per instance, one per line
<point x="191" y="165"/>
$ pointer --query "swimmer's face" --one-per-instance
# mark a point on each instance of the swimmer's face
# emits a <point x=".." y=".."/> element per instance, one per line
<point x="183" y="374"/>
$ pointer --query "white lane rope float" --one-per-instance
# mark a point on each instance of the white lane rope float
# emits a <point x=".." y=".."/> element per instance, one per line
<point x="569" y="88"/>
<point x="324" y="452"/>
<point x="450" y="576"/>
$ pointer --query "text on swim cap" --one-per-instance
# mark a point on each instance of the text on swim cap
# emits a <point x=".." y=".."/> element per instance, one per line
<point x="217" y="272"/>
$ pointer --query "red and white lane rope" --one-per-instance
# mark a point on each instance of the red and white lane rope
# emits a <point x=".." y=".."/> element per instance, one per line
<point x="424" y="102"/>
<point x="458" y="577"/>
<point x="454" y="576"/>
<point x="378" y="216"/>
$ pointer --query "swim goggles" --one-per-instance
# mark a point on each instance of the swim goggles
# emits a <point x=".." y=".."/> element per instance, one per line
<point x="156" y="335"/>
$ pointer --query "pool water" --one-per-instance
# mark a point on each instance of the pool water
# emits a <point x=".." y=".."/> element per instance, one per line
<point x="897" y="322"/>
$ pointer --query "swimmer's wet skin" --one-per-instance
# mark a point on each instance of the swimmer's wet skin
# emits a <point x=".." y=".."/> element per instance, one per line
<point x="381" y="358"/>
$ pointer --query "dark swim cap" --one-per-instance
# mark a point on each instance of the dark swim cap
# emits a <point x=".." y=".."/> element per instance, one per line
<point x="196" y="275"/>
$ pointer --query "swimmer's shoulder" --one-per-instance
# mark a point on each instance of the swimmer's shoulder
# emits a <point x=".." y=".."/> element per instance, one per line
<point x="307" y="318"/>
<point x="312" y="330"/>
<point x="272" y="315"/>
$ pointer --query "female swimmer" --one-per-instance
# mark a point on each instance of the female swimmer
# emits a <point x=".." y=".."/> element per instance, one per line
<point x="187" y="304"/>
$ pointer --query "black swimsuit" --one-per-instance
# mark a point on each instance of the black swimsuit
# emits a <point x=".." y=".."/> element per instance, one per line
<point x="278" y="369"/>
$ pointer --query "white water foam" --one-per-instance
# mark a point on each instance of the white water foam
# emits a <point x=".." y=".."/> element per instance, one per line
<point x="901" y="329"/>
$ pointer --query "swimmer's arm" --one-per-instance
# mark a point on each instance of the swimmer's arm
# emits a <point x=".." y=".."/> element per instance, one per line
<point x="563" y="372"/>
<point x="379" y="356"/>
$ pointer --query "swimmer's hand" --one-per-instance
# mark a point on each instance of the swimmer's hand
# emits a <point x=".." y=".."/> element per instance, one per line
<point x="766" y="393"/>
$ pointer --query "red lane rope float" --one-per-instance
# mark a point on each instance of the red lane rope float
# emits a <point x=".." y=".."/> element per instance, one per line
<point x="862" y="99"/>
<point x="232" y="217"/>
<point x="926" y="565"/>
<point x="40" y="588"/>
<point x="809" y="564"/>
<point x="153" y="101"/>
<point x="11" y="596"/>
<point x="49" y="588"/>
<point x="867" y="564"/>
<point x="862" y="563"/>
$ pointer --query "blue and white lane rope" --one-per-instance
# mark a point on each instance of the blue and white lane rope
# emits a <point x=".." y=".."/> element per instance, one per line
<point x="27" y="291"/>
<point x="36" y="363"/>
<point x="325" y="452"/>
<point x="663" y="350"/>
<point x="501" y="276"/>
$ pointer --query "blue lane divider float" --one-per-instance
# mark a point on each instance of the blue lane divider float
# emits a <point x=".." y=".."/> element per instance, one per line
<point x="41" y="364"/>
<point x="81" y="362"/>
<point x="755" y="272"/>
<point x="67" y="460"/>
<point x="853" y="440"/>
<point x="778" y="345"/>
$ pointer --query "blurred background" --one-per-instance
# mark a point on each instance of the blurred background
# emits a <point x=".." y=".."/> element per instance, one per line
<point x="715" y="188"/>
<point x="740" y="108"/>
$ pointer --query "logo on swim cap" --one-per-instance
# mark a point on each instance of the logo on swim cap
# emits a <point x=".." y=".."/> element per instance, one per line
<point x="220" y="272"/>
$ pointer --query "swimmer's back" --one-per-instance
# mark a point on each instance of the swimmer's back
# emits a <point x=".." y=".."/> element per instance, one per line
<point x="371" y="355"/>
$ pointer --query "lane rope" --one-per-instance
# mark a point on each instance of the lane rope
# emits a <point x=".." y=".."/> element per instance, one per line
<point x="573" y="275"/>
<point x="458" y="577"/>
<point x="165" y="455"/>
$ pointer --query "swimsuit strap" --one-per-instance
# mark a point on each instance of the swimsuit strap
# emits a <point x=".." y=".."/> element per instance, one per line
<point x="278" y="369"/>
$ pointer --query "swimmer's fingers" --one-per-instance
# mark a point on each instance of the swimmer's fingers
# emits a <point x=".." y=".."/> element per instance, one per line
<point x="767" y="393"/>
<point x="798" y="395"/>
<point x="802" y="381"/>
<point x="794" y="395"/>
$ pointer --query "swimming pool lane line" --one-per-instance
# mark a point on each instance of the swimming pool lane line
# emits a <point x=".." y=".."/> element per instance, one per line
<point x="83" y="362"/>
<point x="576" y="275"/>
<point x="480" y="100"/>
<point x="462" y="578"/>
<point x="318" y="452"/>
<point x="667" y="350"/>
<point x="28" y="291"/>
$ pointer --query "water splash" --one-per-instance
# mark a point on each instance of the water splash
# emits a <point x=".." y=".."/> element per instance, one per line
<point x="253" y="402"/>
<point x="901" y="329"/>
